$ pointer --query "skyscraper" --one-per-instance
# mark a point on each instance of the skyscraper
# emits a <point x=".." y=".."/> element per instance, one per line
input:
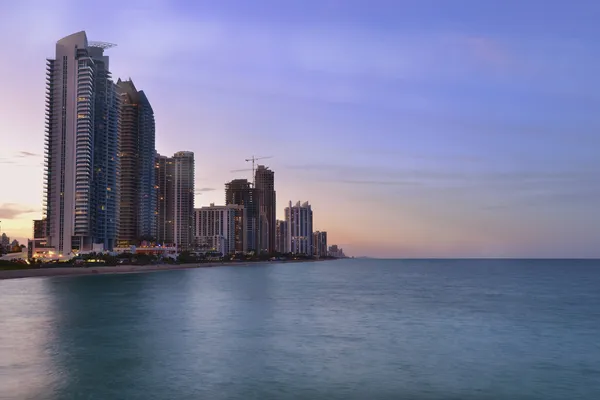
<point x="281" y="245"/>
<point x="82" y="146"/>
<point x="320" y="244"/>
<point x="299" y="219"/>
<point x="183" y="199"/>
<point x="137" y="141"/>
<point x="264" y="182"/>
<point x="240" y="192"/>
<point x="164" y="169"/>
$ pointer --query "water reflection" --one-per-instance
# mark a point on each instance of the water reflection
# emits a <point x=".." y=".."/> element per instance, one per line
<point x="27" y="332"/>
<point x="342" y="330"/>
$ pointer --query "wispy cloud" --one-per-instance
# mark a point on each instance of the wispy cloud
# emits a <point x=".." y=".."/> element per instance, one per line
<point x="379" y="183"/>
<point x="204" y="190"/>
<point x="12" y="211"/>
<point x="507" y="187"/>
<point x="26" y="154"/>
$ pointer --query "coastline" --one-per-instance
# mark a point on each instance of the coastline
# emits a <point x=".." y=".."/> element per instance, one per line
<point x="125" y="269"/>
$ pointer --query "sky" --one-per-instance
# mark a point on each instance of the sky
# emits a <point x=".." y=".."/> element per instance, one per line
<point x="449" y="128"/>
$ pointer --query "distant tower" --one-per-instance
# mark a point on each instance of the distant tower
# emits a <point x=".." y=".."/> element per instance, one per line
<point x="320" y="244"/>
<point x="299" y="220"/>
<point x="265" y="189"/>
<point x="281" y="244"/>
<point x="82" y="139"/>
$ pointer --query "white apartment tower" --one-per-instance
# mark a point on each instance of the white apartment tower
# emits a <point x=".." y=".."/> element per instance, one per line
<point x="81" y="190"/>
<point x="219" y="228"/>
<point x="299" y="221"/>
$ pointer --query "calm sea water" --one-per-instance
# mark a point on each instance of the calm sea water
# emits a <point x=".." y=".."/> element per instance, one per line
<point x="351" y="329"/>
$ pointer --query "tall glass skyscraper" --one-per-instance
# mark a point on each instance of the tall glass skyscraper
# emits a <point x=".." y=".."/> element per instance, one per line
<point x="82" y="146"/>
<point x="138" y="187"/>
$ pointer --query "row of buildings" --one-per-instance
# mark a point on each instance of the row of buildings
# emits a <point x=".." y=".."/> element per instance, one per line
<point x="107" y="188"/>
<point x="235" y="227"/>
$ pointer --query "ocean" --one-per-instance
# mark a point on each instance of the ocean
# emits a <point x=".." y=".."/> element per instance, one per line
<point x="346" y="329"/>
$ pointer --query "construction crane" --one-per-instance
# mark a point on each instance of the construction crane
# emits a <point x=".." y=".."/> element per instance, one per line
<point x="253" y="169"/>
<point x="254" y="159"/>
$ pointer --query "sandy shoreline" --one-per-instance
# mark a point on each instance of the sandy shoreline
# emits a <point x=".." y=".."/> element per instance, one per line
<point x="120" y="269"/>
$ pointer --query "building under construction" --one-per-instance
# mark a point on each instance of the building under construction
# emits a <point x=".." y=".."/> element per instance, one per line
<point x="241" y="192"/>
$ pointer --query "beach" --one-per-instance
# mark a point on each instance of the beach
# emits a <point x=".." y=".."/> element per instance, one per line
<point x="120" y="269"/>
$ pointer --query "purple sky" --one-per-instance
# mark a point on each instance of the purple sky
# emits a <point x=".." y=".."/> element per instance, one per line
<point x="414" y="128"/>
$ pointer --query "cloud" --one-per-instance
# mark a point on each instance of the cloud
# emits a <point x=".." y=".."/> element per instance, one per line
<point x="484" y="188"/>
<point x="24" y="154"/>
<point x="206" y="189"/>
<point x="379" y="183"/>
<point x="571" y="197"/>
<point x="12" y="211"/>
<point x="487" y="51"/>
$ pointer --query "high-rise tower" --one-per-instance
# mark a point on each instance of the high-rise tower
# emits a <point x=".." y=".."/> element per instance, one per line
<point x="183" y="199"/>
<point x="299" y="220"/>
<point x="264" y="182"/>
<point x="138" y="193"/>
<point x="241" y="192"/>
<point x="82" y="146"/>
<point x="164" y="199"/>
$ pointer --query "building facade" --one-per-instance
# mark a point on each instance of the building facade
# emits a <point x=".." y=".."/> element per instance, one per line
<point x="264" y="183"/>
<point x="281" y="232"/>
<point x="138" y="197"/>
<point x="183" y="200"/>
<point x="320" y="244"/>
<point x="38" y="245"/>
<point x="82" y="144"/>
<point x="39" y="229"/>
<point x="240" y="192"/>
<point x="163" y="175"/>
<point x="299" y="219"/>
<point x="218" y="228"/>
